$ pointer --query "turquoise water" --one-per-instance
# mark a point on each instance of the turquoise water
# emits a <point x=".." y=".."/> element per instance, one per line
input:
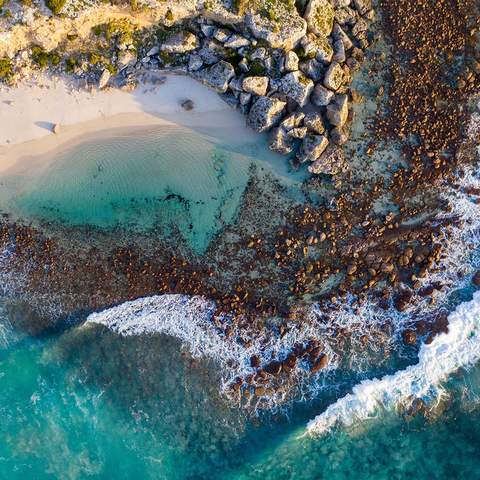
<point x="87" y="403"/>
<point x="172" y="178"/>
<point x="90" y="404"/>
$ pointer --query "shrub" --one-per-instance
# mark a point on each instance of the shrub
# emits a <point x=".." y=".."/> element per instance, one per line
<point x="2" y="3"/>
<point x="55" y="5"/>
<point x="40" y="56"/>
<point x="70" y="64"/>
<point x="6" y="68"/>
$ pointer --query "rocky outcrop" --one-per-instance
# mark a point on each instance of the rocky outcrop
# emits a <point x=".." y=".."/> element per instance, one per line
<point x="265" y="113"/>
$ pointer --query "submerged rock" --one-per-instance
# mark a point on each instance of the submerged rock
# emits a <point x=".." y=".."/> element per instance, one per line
<point x="265" y="113"/>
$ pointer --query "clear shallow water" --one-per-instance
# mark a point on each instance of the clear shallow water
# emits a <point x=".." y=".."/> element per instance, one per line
<point x="168" y="177"/>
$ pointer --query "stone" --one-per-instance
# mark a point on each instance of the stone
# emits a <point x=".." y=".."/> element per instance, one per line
<point x="319" y="15"/>
<point x="56" y="128"/>
<point x="293" y="120"/>
<point x="265" y="113"/>
<point x="284" y="30"/>
<point x="317" y="47"/>
<point x="298" y="133"/>
<point x="314" y="122"/>
<point x="236" y="42"/>
<point x="345" y="16"/>
<point x="297" y="87"/>
<point x="409" y="337"/>
<point x="331" y="162"/>
<point x="217" y="76"/>
<point x="195" y="63"/>
<point x="126" y="59"/>
<point x="334" y="76"/>
<point x="339" y="135"/>
<point x="180" y="42"/>
<point x="280" y="141"/>
<point x="363" y="6"/>
<point x="256" y="85"/>
<point x="360" y="28"/>
<point x="339" y="34"/>
<point x="337" y="112"/>
<point x="321" y="96"/>
<point x="210" y="53"/>
<point x="339" y="51"/>
<point x="208" y="30"/>
<point x="273" y="368"/>
<point x="476" y="279"/>
<point x="245" y="98"/>
<point x="313" y="69"/>
<point x="320" y="363"/>
<point x="255" y="361"/>
<point x="221" y="35"/>
<point x="312" y="147"/>
<point x="291" y="61"/>
<point x="104" y="79"/>
<point x="153" y="51"/>
<point x="188" y="105"/>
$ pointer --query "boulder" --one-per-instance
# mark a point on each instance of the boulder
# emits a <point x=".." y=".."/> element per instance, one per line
<point x="256" y="85"/>
<point x="217" y="76"/>
<point x="280" y="141"/>
<point x="321" y="96"/>
<point x="339" y="135"/>
<point x="297" y="87"/>
<point x="345" y="16"/>
<point x="320" y="363"/>
<point x="180" y="42"/>
<point x="126" y="58"/>
<point x="195" y="63"/>
<point x="104" y="79"/>
<point x="363" y="6"/>
<point x="409" y="337"/>
<point x="312" y="147"/>
<point x="317" y="47"/>
<point x="334" y="77"/>
<point x="283" y="28"/>
<point x="293" y="120"/>
<point x="339" y="49"/>
<point x="337" y="112"/>
<point x="314" y="122"/>
<point x="331" y="162"/>
<point x="265" y="113"/>
<point x="476" y="279"/>
<point x="319" y="16"/>
<point x="339" y="34"/>
<point x="298" y="133"/>
<point x="221" y="34"/>
<point x="236" y="41"/>
<point x="313" y="69"/>
<point x="188" y="105"/>
<point x="56" y="128"/>
<point x="291" y="61"/>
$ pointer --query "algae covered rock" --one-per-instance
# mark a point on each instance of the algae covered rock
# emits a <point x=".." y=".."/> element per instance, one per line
<point x="276" y="22"/>
<point x="319" y="16"/>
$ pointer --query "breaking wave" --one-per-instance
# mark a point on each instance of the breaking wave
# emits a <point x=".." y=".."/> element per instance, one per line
<point x="448" y="352"/>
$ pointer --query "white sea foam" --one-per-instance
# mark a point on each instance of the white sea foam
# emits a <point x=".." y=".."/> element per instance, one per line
<point x="448" y="352"/>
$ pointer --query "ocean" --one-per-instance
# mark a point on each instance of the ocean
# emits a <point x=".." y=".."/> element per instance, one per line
<point x="139" y="390"/>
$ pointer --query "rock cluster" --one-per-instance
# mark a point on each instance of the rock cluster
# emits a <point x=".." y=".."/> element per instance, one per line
<point x="288" y="72"/>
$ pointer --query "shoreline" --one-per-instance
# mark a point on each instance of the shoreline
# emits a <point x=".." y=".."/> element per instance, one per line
<point x="28" y="127"/>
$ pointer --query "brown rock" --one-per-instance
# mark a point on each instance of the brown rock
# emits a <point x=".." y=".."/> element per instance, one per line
<point x="409" y="337"/>
<point x="320" y="364"/>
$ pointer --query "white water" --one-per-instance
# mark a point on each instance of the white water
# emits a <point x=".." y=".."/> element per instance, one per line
<point x="448" y="352"/>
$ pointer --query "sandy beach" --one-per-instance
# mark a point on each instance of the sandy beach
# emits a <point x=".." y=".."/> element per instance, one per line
<point x="30" y="111"/>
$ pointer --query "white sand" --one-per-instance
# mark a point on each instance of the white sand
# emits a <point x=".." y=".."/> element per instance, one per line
<point x="28" y="113"/>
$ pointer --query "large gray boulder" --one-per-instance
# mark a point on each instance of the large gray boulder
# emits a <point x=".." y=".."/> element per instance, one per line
<point x="319" y="16"/>
<point x="180" y="42"/>
<point x="265" y="113"/>
<point x="337" y="112"/>
<point x="331" y="162"/>
<point x="256" y="85"/>
<point x="217" y="76"/>
<point x="312" y="147"/>
<point x="297" y="87"/>
<point x="283" y="27"/>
